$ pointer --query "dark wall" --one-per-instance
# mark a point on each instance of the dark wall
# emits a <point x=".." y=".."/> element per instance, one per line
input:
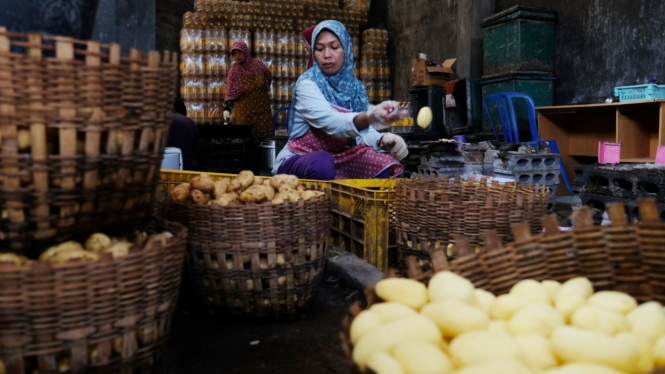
<point x="169" y="22"/>
<point x="601" y="44"/>
<point x="128" y="22"/>
<point x="73" y="18"/>
<point x="419" y="26"/>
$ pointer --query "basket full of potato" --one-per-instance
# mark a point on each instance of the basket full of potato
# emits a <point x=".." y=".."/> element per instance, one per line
<point x="589" y="303"/>
<point x="99" y="304"/>
<point x="255" y="245"/>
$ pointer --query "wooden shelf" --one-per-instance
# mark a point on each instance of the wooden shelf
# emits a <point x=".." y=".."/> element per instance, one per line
<point x="644" y="160"/>
<point x="639" y="126"/>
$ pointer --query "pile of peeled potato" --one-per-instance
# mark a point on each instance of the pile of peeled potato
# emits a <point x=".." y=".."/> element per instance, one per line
<point x="243" y="189"/>
<point x="89" y="251"/>
<point x="545" y="327"/>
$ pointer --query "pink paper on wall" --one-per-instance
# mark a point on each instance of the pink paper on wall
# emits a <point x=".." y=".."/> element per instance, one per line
<point x="660" y="155"/>
<point x="609" y="153"/>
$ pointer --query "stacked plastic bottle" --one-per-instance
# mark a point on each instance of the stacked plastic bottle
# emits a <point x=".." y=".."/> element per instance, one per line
<point x="271" y="28"/>
<point x="203" y="67"/>
<point x="374" y="65"/>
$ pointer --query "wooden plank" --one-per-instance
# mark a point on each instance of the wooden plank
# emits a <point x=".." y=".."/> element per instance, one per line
<point x="642" y="160"/>
<point x="557" y="107"/>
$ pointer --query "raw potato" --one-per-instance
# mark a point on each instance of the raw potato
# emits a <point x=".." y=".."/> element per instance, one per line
<point x="119" y="249"/>
<point x="286" y="188"/>
<point x="246" y="179"/>
<point x="499" y="366"/>
<point x="531" y="290"/>
<point x="537" y="352"/>
<point x="484" y="300"/>
<point x="572" y="295"/>
<point x="571" y="344"/>
<point x="97" y="242"/>
<point x="364" y="322"/>
<point x="257" y="194"/>
<point x="284" y="179"/>
<point x="13" y="258"/>
<point x="64" y="256"/>
<point x="538" y="318"/>
<point x="221" y="187"/>
<point x="203" y="183"/>
<point x="235" y="186"/>
<point x="613" y="300"/>
<point x="648" y="320"/>
<point x="454" y="317"/>
<point x="181" y="192"/>
<point x="306" y="195"/>
<point x="225" y="199"/>
<point x="401" y="290"/>
<point x="392" y="311"/>
<point x="199" y="198"/>
<point x="478" y="346"/>
<point x="383" y="363"/>
<point x="417" y="357"/>
<point x="257" y="181"/>
<point x="593" y="318"/>
<point x="23" y="138"/>
<point x="52" y="251"/>
<point x="506" y="305"/>
<point x="448" y="285"/>
<point x="646" y="362"/>
<point x="391" y="334"/>
<point x="282" y="197"/>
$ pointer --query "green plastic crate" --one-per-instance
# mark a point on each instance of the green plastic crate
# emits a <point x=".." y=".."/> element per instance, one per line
<point x="519" y="39"/>
<point x="363" y="219"/>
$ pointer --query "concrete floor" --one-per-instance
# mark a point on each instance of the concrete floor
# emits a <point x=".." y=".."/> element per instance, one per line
<point x="210" y="345"/>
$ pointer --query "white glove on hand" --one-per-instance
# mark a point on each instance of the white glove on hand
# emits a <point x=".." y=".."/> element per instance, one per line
<point x="395" y="144"/>
<point x="381" y="116"/>
<point x="226" y="115"/>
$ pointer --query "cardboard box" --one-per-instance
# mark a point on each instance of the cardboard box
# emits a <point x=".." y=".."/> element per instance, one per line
<point x="432" y="75"/>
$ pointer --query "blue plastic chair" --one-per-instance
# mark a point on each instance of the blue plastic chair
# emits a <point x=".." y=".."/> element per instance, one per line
<point x="284" y="123"/>
<point x="503" y="101"/>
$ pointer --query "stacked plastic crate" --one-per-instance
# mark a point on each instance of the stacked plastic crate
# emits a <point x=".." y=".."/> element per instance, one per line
<point x="271" y="29"/>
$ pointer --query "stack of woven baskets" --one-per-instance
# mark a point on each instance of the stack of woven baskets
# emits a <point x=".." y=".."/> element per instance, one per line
<point x="433" y="212"/>
<point x="260" y="259"/>
<point x="83" y="130"/>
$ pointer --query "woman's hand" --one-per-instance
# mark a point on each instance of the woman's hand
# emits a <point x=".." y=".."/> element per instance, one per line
<point x="395" y="145"/>
<point x="383" y="115"/>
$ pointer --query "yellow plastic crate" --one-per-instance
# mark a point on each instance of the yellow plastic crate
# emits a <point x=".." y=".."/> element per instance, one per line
<point x="363" y="218"/>
<point x="168" y="179"/>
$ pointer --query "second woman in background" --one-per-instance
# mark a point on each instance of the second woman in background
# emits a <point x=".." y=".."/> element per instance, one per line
<point x="248" y="88"/>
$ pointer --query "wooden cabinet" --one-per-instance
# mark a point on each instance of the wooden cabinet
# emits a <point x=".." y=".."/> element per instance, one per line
<point x="577" y="129"/>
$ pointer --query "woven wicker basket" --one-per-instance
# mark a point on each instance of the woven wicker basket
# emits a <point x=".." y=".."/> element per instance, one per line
<point x="256" y="259"/>
<point x="622" y="257"/>
<point x="83" y="132"/>
<point x="434" y="211"/>
<point x="110" y="316"/>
